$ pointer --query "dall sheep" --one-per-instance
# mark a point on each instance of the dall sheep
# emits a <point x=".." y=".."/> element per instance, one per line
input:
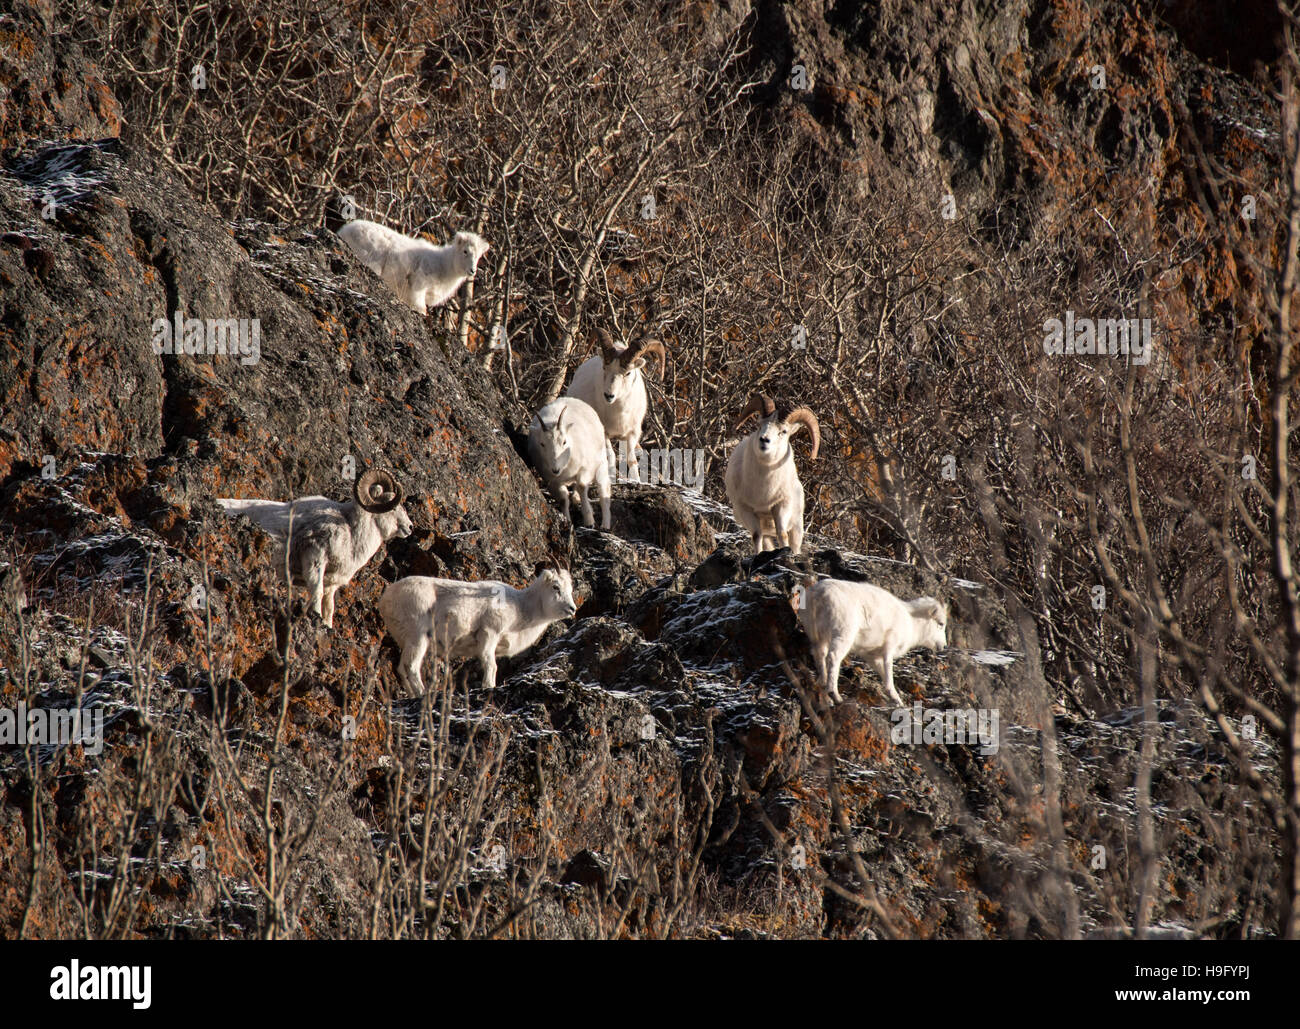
<point x="566" y="443"/>
<point x="331" y="541"/>
<point x="762" y="481"/>
<point x="483" y="620"/>
<point x="856" y="618"/>
<point x="612" y="385"/>
<point x="422" y="274"/>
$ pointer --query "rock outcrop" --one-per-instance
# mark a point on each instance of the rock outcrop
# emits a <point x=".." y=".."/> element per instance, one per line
<point x="660" y="765"/>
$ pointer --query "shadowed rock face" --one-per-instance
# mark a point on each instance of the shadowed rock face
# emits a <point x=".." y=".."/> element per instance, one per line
<point x="997" y="101"/>
<point x="52" y="88"/>
<point x="676" y="715"/>
<point x="334" y="374"/>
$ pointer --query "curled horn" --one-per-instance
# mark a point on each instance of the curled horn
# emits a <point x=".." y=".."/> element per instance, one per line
<point x="377" y="491"/>
<point x="645" y="345"/>
<point x="609" y="352"/>
<point x="760" y="404"/>
<point x="802" y="414"/>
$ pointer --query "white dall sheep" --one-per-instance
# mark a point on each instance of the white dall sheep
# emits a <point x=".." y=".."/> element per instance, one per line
<point x="762" y="481"/>
<point x="422" y="274"/>
<point x="566" y="443"/>
<point x="612" y="385"/>
<point x="856" y="618"/>
<point x="331" y="541"/>
<point x="483" y="620"/>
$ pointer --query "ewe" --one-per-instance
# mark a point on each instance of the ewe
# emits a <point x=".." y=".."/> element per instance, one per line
<point x="612" y="385"/>
<point x="566" y="443"/>
<point x="856" y="618"/>
<point x="331" y="542"/>
<point x="484" y="620"/>
<point x="422" y="274"/>
<point x="762" y="482"/>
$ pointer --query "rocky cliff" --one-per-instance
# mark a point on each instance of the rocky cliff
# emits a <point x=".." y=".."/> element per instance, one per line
<point x="661" y="765"/>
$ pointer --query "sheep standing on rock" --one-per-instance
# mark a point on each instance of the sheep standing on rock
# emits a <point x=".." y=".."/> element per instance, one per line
<point x="566" y="443"/>
<point x="856" y="618"/>
<point x="330" y="541"/>
<point x="612" y="385"/>
<point x="483" y="620"/>
<point x="762" y="480"/>
<point x="422" y="274"/>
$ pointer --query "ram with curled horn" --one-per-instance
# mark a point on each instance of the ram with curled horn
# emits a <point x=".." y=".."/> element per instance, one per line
<point x="613" y="385"/>
<point x="762" y="481"/>
<point x="326" y="542"/>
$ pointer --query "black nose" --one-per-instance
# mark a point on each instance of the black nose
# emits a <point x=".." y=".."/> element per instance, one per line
<point x="609" y="396"/>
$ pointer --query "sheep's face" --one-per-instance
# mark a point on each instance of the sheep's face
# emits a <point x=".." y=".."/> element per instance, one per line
<point x="557" y="593"/>
<point x="619" y="381"/>
<point x="553" y="442"/>
<point x="470" y="248"/>
<point x="396" y="523"/>
<point x="934" y="628"/>
<point x="773" y="436"/>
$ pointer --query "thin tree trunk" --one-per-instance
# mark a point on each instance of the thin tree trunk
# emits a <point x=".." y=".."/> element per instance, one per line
<point x="1283" y="571"/>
